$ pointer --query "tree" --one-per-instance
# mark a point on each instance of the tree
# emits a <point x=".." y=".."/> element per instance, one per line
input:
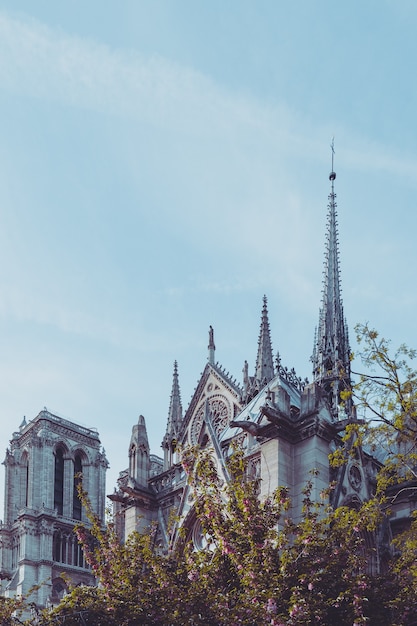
<point x="13" y="610"/>
<point x="10" y="611"/>
<point x="387" y="395"/>
<point x="260" y="566"/>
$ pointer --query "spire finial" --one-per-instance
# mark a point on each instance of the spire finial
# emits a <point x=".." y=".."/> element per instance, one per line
<point x="211" y="346"/>
<point x="332" y="174"/>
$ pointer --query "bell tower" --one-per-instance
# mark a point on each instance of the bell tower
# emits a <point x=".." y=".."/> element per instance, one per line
<point x="44" y="463"/>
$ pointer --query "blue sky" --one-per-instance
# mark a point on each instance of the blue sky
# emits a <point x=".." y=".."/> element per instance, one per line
<point x="163" y="165"/>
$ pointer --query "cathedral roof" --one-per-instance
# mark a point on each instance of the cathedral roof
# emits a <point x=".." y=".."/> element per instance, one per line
<point x="283" y="394"/>
<point x="223" y="377"/>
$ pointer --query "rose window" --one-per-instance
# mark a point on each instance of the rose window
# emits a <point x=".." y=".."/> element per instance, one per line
<point x="220" y="415"/>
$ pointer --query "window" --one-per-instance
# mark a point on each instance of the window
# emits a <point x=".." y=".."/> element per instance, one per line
<point x="59" y="481"/>
<point x="24" y="480"/>
<point x="132" y="461"/>
<point x="76" y="502"/>
<point x="26" y="484"/>
<point x="67" y="550"/>
<point x="57" y="547"/>
<point x="15" y="551"/>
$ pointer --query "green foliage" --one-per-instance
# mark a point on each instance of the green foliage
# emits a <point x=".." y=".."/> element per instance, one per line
<point x="261" y="566"/>
<point x="13" y="610"/>
<point x="387" y="394"/>
<point x="10" y="611"/>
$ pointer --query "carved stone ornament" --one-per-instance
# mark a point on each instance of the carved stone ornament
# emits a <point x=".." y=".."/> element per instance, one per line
<point x="355" y="477"/>
<point x="220" y="415"/>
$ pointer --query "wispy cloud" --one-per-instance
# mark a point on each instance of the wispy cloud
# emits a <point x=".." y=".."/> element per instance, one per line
<point x="43" y="63"/>
<point x="247" y="151"/>
<point x="40" y="62"/>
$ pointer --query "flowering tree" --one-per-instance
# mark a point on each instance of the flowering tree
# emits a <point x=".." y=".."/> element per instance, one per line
<point x="261" y="566"/>
<point x="312" y="570"/>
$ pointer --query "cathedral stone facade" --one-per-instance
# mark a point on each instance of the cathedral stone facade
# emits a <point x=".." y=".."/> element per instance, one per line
<point x="43" y="465"/>
<point x="286" y="425"/>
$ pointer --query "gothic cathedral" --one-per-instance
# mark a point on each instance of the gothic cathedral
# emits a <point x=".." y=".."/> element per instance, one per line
<point x="287" y="426"/>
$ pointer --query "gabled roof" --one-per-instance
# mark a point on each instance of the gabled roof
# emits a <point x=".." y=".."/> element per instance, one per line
<point x="285" y="407"/>
<point x="225" y="382"/>
<point x="252" y="411"/>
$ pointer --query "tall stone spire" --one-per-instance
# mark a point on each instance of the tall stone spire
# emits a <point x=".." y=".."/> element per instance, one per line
<point x="331" y="355"/>
<point x="174" y="421"/>
<point x="264" y="371"/>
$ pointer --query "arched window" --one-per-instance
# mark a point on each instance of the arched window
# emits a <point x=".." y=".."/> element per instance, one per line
<point x="15" y="551"/>
<point x="26" y="484"/>
<point x="57" y="547"/>
<point x="132" y="461"/>
<point x="59" y="590"/>
<point x="24" y="480"/>
<point x="78" y="555"/>
<point x="59" y="481"/>
<point x="76" y="502"/>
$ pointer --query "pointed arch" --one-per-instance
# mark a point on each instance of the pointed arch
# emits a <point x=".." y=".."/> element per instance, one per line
<point x="193" y="533"/>
<point x="132" y="460"/>
<point x="79" y="460"/>
<point x="59" y="589"/>
<point x="59" y="479"/>
<point x="24" y="479"/>
<point x="76" y="502"/>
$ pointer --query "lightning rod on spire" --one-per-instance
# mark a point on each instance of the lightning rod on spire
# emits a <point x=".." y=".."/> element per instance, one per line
<point x="332" y="174"/>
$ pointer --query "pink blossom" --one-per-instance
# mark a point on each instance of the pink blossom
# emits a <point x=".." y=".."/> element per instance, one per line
<point x="271" y="606"/>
